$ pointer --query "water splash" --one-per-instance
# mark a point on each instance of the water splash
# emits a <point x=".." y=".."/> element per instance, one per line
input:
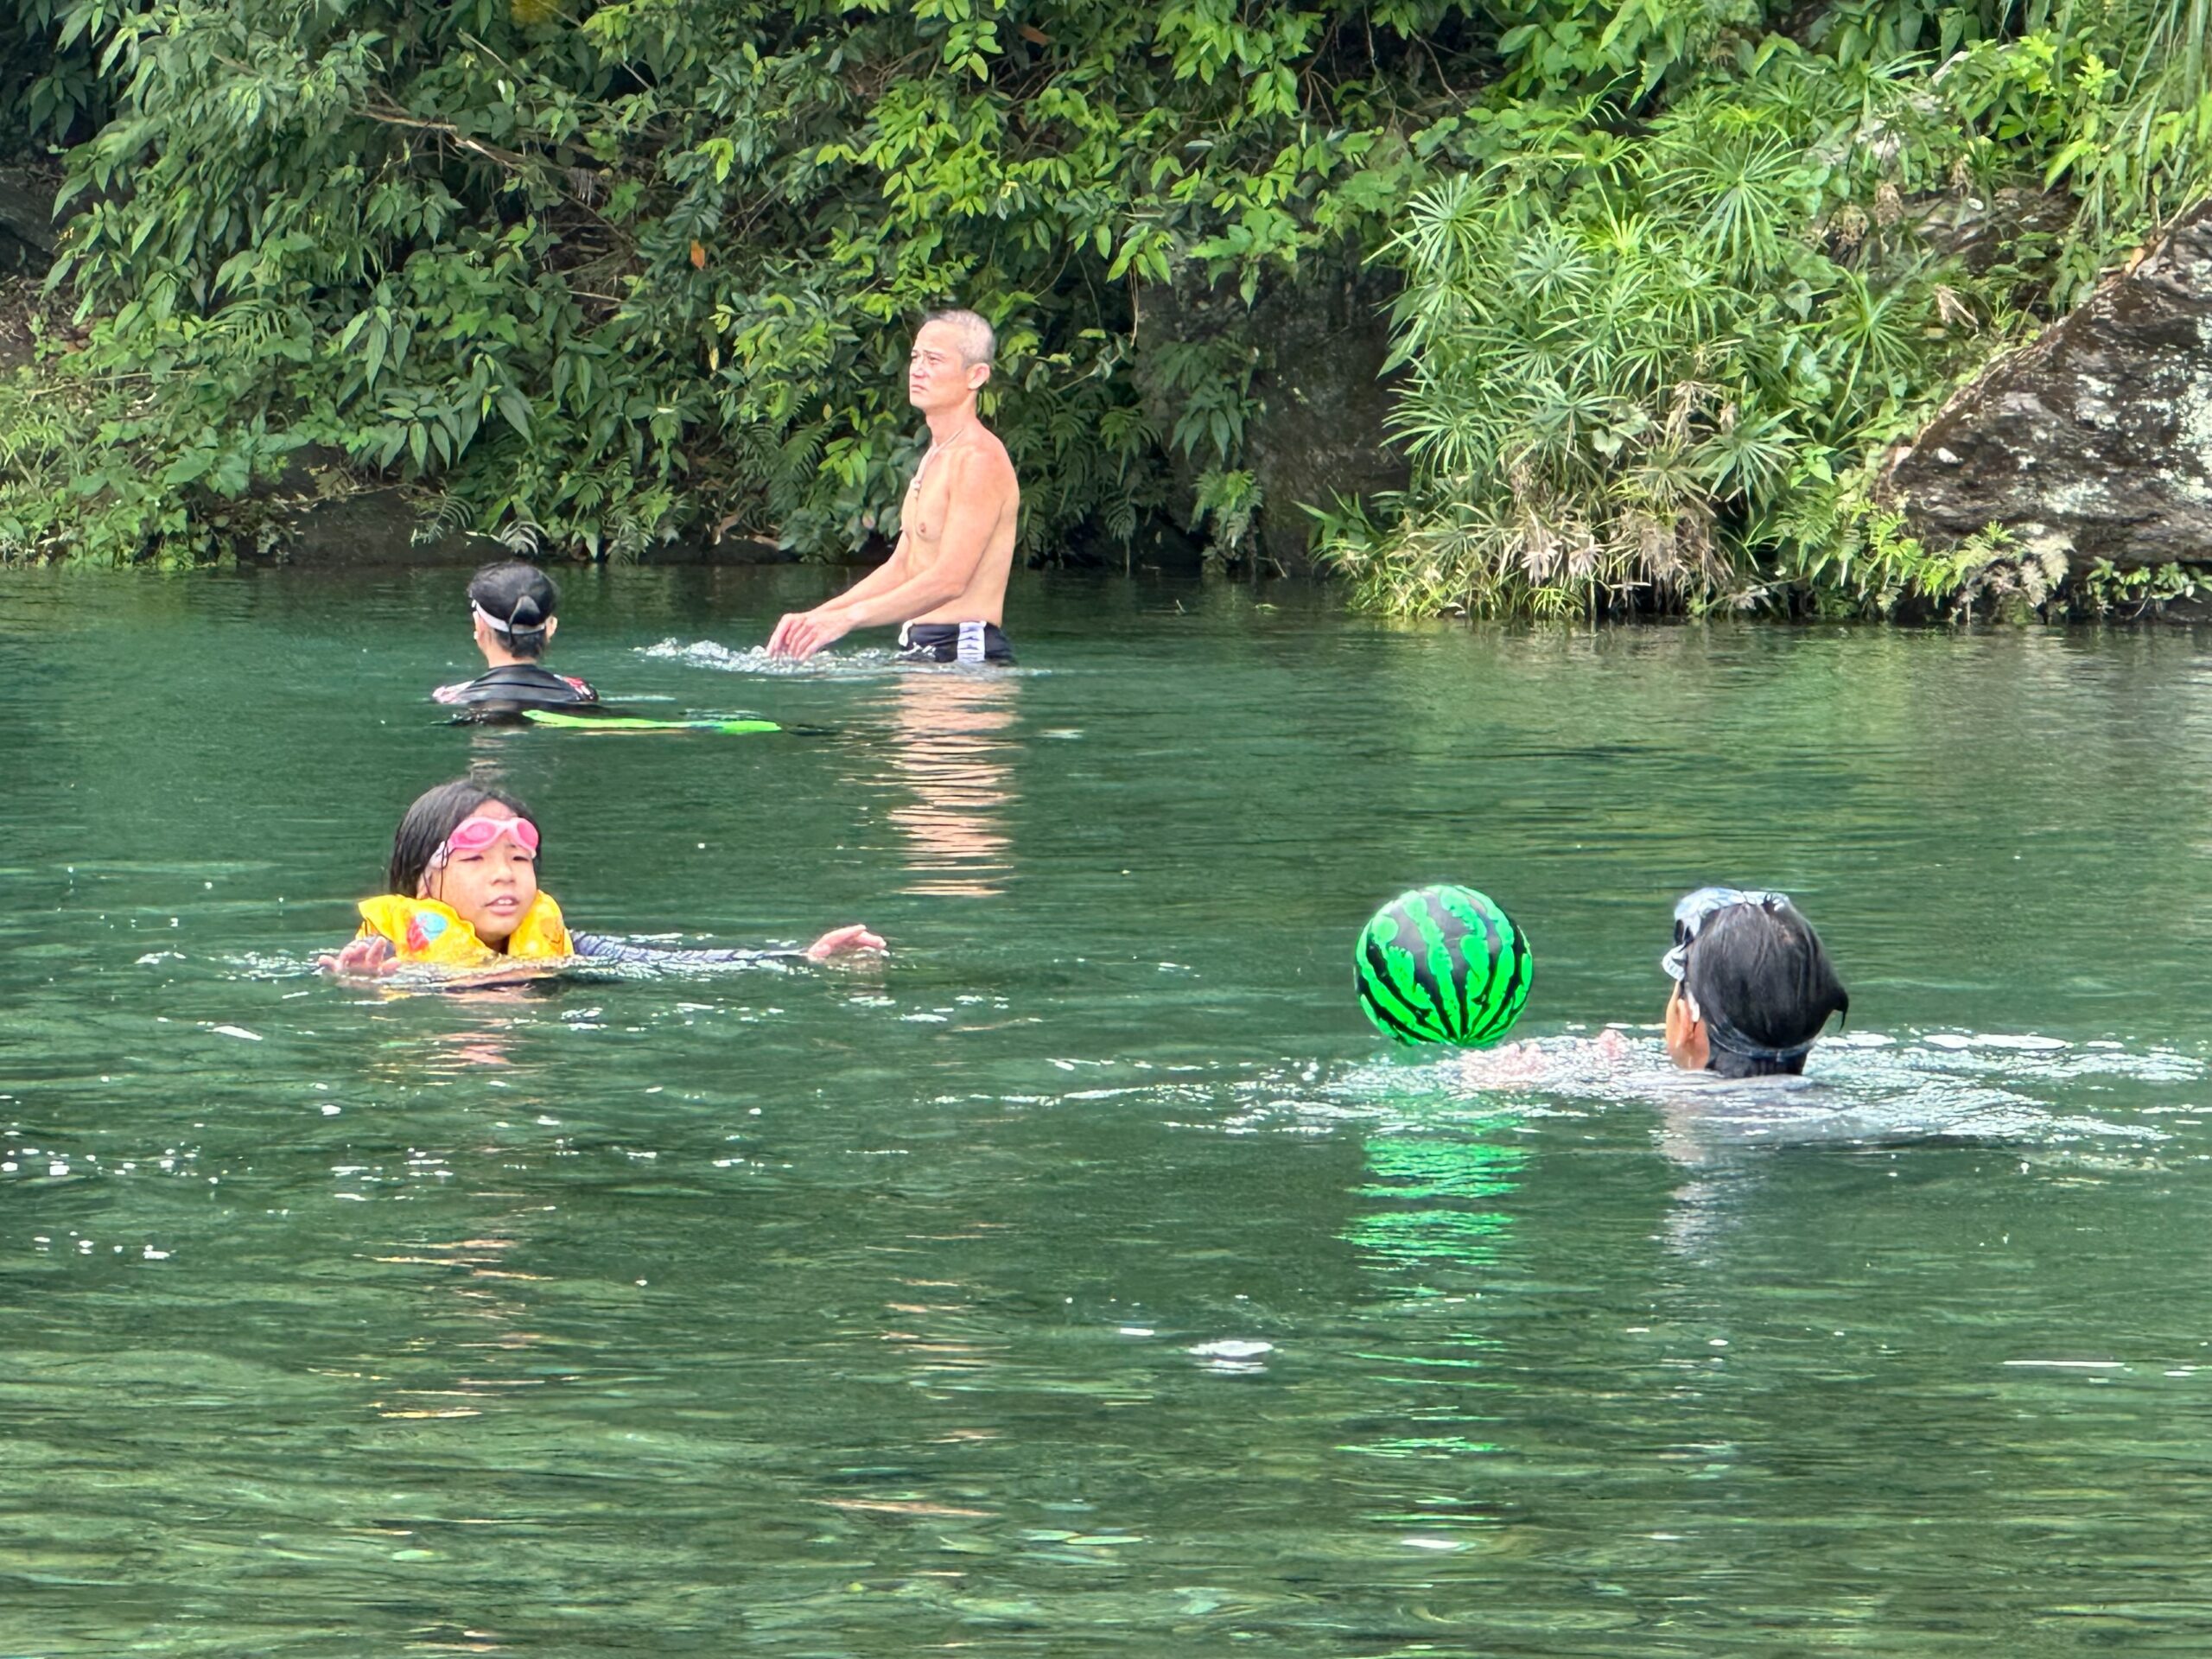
<point x="1861" y="1089"/>
<point x="864" y="662"/>
<point x="754" y="659"/>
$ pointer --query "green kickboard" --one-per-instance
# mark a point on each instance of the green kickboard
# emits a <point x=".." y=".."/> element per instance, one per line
<point x="633" y="723"/>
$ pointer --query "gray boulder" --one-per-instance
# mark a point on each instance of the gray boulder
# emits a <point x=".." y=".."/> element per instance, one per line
<point x="2095" y="441"/>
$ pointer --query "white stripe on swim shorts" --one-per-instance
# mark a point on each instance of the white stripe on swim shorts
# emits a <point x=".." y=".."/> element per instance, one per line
<point x="971" y="643"/>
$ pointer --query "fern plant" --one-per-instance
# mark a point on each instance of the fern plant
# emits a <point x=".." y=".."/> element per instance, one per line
<point x="1621" y="353"/>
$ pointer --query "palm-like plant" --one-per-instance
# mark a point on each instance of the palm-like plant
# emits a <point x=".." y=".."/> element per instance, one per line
<point x="1619" y="370"/>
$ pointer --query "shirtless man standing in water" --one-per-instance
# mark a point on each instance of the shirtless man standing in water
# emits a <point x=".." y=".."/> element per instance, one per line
<point x="945" y="582"/>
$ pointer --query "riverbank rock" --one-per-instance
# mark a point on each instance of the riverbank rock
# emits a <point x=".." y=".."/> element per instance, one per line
<point x="704" y="547"/>
<point x="2097" y="439"/>
<point x="316" y="516"/>
<point x="28" y="233"/>
<point x="374" y="526"/>
<point x="1322" y="404"/>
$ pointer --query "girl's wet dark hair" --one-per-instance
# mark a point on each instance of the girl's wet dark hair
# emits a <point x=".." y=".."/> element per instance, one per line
<point x="1762" y="980"/>
<point x="435" y="816"/>
<point x="519" y="596"/>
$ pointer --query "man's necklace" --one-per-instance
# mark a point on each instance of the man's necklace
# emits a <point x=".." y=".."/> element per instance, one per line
<point x="935" y="450"/>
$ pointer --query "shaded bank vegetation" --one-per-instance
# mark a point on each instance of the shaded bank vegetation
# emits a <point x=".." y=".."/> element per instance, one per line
<point x="1669" y="276"/>
<point x="1662" y="356"/>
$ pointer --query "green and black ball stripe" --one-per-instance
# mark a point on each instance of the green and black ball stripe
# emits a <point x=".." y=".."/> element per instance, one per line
<point x="1443" y="965"/>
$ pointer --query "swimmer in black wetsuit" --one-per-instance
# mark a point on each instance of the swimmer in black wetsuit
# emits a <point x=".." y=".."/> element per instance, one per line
<point x="512" y="605"/>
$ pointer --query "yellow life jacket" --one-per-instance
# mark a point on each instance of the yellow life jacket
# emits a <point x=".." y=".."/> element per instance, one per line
<point x="423" y="930"/>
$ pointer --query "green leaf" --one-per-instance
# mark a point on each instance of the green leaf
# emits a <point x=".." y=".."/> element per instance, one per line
<point x="188" y="467"/>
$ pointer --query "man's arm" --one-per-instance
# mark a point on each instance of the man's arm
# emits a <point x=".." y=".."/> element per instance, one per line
<point x="888" y="574"/>
<point x="892" y="571"/>
<point x="976" y="494"/>
<point x="974" y="497"/>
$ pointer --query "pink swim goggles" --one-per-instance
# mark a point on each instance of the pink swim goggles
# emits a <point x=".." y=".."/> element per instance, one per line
<point x="477" y="835"/>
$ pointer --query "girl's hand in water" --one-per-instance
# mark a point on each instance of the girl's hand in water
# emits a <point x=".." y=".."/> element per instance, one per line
<point x="840" y="941"/>
<point x="368" y="958"/>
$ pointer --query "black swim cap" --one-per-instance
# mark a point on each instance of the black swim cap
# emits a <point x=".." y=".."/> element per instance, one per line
<point x="517" y="599"/>
<point x="1762" y="983"/>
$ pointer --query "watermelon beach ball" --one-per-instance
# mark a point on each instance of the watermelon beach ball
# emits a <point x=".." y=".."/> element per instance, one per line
<point x="1443" y="964"/>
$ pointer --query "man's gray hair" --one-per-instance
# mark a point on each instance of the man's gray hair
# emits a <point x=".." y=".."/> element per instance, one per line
<point x="977" y="343"/>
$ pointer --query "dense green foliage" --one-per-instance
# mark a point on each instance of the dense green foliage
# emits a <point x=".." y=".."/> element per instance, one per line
<point x="1655" y="356"/>
<point x="1671" y="273"/>
<point x="593" y="277"/>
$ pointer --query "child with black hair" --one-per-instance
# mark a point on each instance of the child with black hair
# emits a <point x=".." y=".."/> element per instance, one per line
<point x="463" y="893"/>
<point x="511" y="603"/>
<point x="1752" y="985"/>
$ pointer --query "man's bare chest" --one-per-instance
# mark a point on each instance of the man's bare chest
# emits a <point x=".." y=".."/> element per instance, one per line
<point x="929" y="496"/>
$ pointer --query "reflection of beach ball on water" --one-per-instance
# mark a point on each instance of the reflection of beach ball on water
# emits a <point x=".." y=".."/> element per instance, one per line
<point x="1443" y="964"/>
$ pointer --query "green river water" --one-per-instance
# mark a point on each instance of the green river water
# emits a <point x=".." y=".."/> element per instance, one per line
<point x="1089" y="1280"/>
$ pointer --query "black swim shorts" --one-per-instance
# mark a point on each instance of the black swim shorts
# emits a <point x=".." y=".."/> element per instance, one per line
<point x="954" y="642"/>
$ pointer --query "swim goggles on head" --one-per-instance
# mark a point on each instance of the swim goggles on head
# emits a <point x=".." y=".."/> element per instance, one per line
<point x="476" y="835"/>
<point x="1694" y="910"/>
<point x="495" y="623"/>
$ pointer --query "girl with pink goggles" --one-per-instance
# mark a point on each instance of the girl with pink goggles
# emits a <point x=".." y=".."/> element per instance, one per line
<point x="477" y="835"/>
